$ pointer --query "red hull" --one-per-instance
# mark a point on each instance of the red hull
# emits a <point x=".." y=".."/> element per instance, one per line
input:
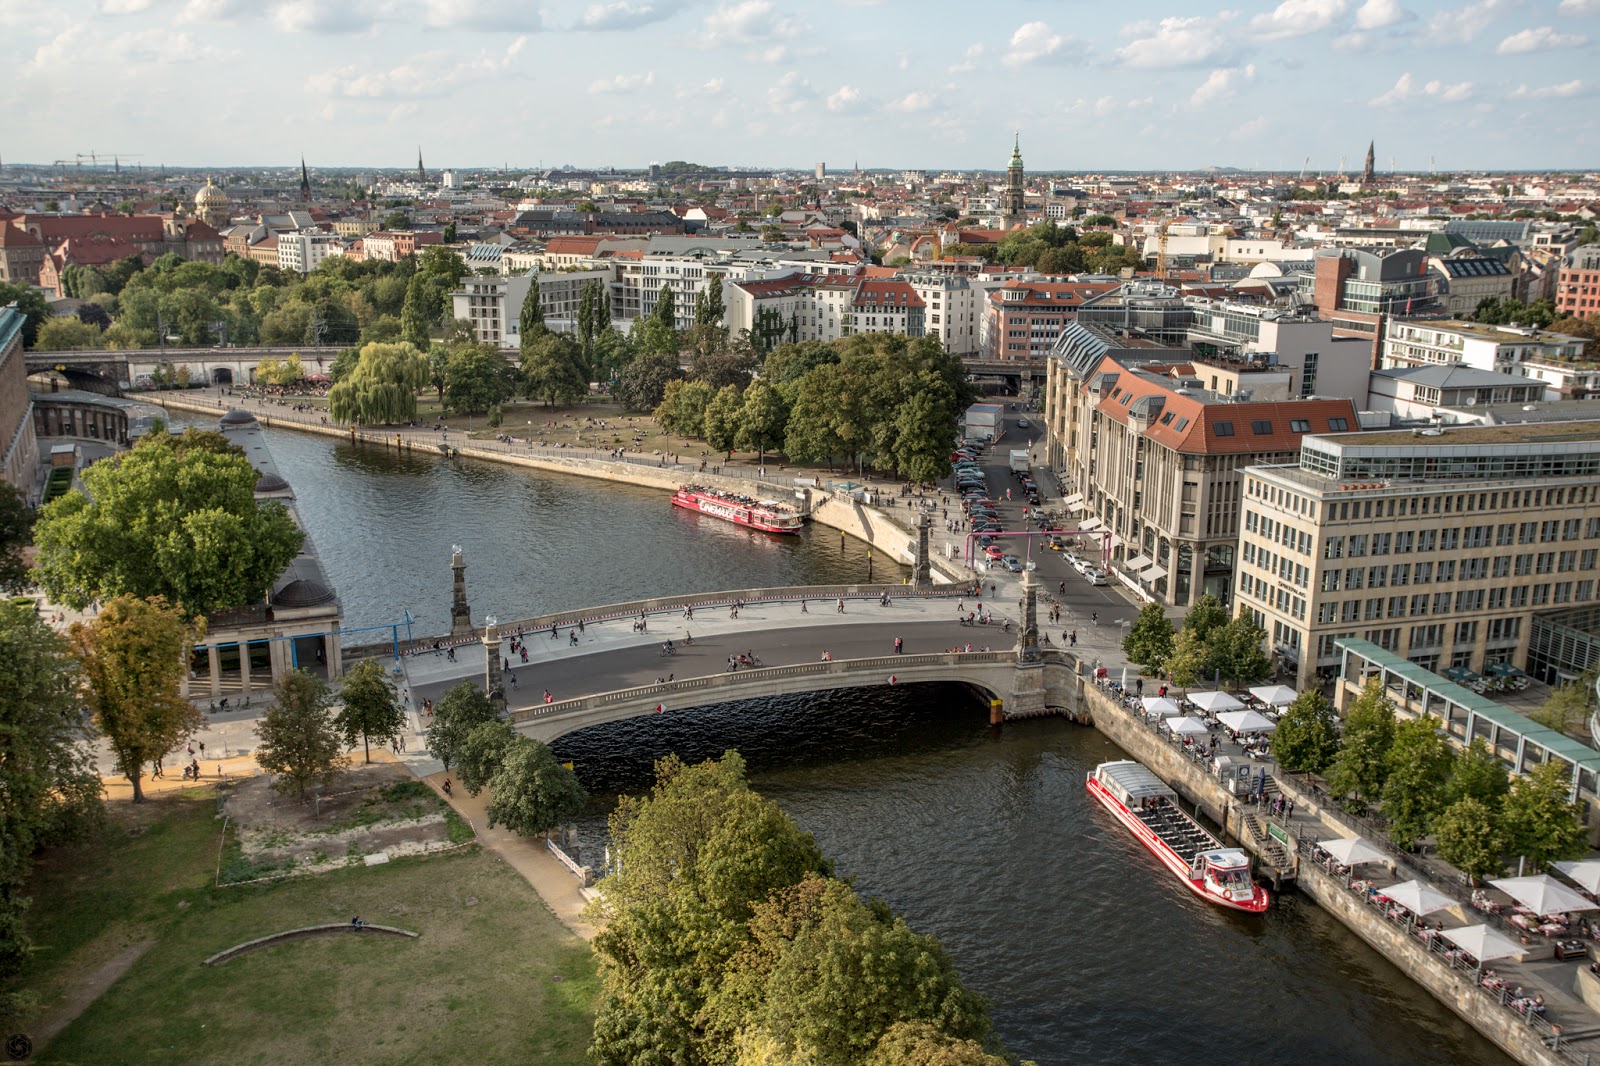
<point x="1169" y="858"/>
<point x="739" y="513"/>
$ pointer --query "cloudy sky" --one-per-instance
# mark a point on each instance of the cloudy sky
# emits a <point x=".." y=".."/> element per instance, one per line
<point x="891" y="83"/>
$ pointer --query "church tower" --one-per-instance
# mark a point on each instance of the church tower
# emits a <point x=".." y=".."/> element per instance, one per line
<point x="1014" y="201"/>
<point x="305" y="181"/>
<point x="1366" y="171"/>
<point x="422" y="175"/>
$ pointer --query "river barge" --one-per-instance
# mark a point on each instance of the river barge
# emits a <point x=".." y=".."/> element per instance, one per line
<point x="769" y="516"/>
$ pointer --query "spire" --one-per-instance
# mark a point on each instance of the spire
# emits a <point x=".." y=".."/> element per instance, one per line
<point x="305" y="180"/>
<point x="1016" y="148"/>
<point x="1367" y="171"/>
<point x="422" y="175"/>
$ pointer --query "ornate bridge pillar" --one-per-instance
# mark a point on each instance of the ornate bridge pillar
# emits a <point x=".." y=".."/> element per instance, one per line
<point x="1027" y="683"/>
<point x="460" y="614"/>
<point x="922" y="575"/>
<point x="493" y="683"/>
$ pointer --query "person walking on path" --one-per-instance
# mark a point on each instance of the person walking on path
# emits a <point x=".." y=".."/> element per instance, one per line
<point x="841" y="605"/>
<point x="899" y="646"/>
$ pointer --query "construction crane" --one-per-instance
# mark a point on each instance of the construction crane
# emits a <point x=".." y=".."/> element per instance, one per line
<point x="1303" y="166"/>
<point x="1161" y="249"/>
<point x="94" y="159"/>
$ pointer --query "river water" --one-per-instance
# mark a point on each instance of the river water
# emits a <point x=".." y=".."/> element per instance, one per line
<point x="1088" y="949"/>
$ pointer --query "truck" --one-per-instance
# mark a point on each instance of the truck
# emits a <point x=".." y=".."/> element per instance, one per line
<point x="1019" y="461"/>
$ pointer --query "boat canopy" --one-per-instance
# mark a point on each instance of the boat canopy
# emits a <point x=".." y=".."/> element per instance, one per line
<point x="1130" y="782"/>
<point x="1225" y="858"/>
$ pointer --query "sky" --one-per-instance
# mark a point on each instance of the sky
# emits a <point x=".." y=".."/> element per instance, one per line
<point x="927" y="84"/>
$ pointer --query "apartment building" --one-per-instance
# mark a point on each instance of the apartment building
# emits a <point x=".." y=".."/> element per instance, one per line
<point x="954" y="309"/>
<point x="19" y="446"/>
<point x="304" y="252"/>
<point x="887" y="306"/>
<point x="1026" y="317"/>
<point x="1556" y="359"/>
<point x="1578" y="283"/>
<point x="1438" y="545"/>
<point x="493" y="302"/>
<point x="1152" y="458"/>
<point x="1471" y="279"/>
<point x="1358" y="290"/>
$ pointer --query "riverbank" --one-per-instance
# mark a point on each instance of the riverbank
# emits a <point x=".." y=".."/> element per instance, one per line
<point x="888" y="525"/>
<point x="1528" y="1040"/>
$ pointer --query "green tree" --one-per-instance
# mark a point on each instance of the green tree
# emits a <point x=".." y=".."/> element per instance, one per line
<point x="1149" y="641"/>
<point x="1307" y="737"/>
<point x="1205" y="617"/>
<point x="174" y="517"/>
<point x="49" y="788"/>
<point x="761" y="419"/>
<point x="382" y="388"/>
<point x="922" y="1044"/>
<point x="368" y="707"/>
<point x="480" y="753"/>
<point x="476" y="377"/>
<point x="135" y="655"/>
<point x="1542" y="824"/>
<point x="457" y="713"/>
<point x="552" y="370"/>
<point x="1475" y="772"/>
<point x="417" y="315"/>
<point x="708" y="305"/>
<point x="1567" y="707"/>
<point x="66" y="332"/>
<point x="1470" y="838"/>
<point x="31" y="304"/>
<point x="721" y="420"/>
<point x="1418" y="771"/>
<point x="1359" y="770"/>
<point x="643" y="382"/>
<point x="532" y="792"/>
<point x="683" y="408"/>
<point x="666" y="311"/>
<point x="1237" y="652"/>
<point x="343" y="364"/>
<point x="1190" y="661"/>
<point x="530" y="322"/>
<point x="16" y="532"/>
<point x="299" y="741"/>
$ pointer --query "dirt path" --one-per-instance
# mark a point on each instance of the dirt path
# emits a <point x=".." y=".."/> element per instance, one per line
<point x="526" y="855"/>
<point x="84" y="990"/>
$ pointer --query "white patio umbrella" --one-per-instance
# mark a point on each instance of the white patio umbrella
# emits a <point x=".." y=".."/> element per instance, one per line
<point x="1585" y="873"/>
<point x="1275" y="695"/>
<point x="1186" y="726"/>
<point x="1418" y="898"/>
<point x="1543" y="894"/>
<point x="1481" y="942"/>
<point x="1215" y="701"/>
<point x="1351" y="851"/>
<point x="1160" y="705"/>
<point x="1247" y="721"/>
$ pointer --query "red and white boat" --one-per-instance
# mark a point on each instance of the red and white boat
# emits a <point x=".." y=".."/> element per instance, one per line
<point x="769" y="516"/>
<point x="1143" y="803"/>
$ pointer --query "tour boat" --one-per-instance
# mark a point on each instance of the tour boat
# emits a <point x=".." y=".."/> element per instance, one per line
<point x="769" y="516"/>
<point x="1149" y="809"/>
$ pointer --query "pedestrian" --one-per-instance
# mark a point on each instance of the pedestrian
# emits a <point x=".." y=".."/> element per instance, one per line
<point x="803" y="607"/>
<point x="513" y="678"/>
<point x="841" y="605"/>
<point x="452" y="655"/>
<point x="899" y="645"/>
<point x="447" y="791"/>
<point x="1288" y="808"/>
<point x="202" y="747"/>
<point x="1094" y="616"/>
<point x="1074" y="638"/>
<point x="195" y="767"/>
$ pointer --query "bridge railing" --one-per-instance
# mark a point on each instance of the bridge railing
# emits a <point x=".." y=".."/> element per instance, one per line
<point x="891" y="665"/>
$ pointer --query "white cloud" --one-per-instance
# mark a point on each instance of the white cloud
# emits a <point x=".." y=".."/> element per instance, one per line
<point x="622" y="83"/>
<point x="325" y="16"/>
<point x="1539" y="39"/>
<point x="1036" y="42"/>
<point x="747" y="22"/>
<point x="1462" y="24"/>
<point x="1376" y="14"/>
<point x="1547" y="92"/>
<point x="1406" y="89"/>
<point x="790" y="93"/>
<point x="709" y="88"/>
<point x="1296" y="18"/>
<point x="1580" y="7"/>
<point x="428" y="74"/>
<point x="912" y="102"/>
<point x="1221" y="84"/>
<point x="969" y="61"/>
<point x="1172" y="42"/>
<point x="217" y="10"/>
<point x="495" y="16"/>
<point x="134" y="50"/>
<point x="123" y="7"/>
<point x="624" y="15"/>
<point x="845" y="99"/>
<point x="1250" y="131"/>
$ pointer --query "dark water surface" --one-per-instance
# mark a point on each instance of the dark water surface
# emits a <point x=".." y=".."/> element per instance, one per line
<point x="1089" y="950"/>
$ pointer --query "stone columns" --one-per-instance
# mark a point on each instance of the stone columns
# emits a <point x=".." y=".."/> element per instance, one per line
<point x="922" y="575"/>
<point x="460" y="614"/>
<point x="244" y="667"/>
<point x="1028" y="635"/>
<point x="492" y="682"/>
<point x="214" y="666"/>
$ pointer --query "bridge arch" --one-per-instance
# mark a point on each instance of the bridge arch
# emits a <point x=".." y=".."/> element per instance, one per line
<point x="221" y="375"/>
<point x="990" y="672"/>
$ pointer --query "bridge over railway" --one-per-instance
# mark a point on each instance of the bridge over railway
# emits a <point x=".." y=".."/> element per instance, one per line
<point x="112" y="372"/>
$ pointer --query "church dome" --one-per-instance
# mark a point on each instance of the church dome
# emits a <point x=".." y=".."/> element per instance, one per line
<point x="209" y="196"/>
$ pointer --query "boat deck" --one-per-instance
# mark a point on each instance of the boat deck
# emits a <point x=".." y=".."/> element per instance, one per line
<point x="1177" y="830"/>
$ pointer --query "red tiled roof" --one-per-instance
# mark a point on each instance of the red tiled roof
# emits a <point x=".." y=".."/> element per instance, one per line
<point x="15" y="237"/>
<point x="887" y="294"/>
<point x="573" y="245"/>
<point x="1054" y="295"/>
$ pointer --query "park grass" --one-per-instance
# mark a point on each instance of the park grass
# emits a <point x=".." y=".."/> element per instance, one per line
<point x="493" y="978"/>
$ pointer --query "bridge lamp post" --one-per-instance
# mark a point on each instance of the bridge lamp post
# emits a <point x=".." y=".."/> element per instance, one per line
<point x="869" y="563"/>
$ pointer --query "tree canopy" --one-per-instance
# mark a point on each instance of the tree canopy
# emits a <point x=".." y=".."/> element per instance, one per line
<point x="1362" y="765"/>
<point x="456" y="714"/>
<point x="300" y="743"/>
<point x="530" y="791"/>
<point x="1307" y="737"/>
<point x="382" y="387"/>
<point x="368" y="707"/>
<point x="1149" y="640"/>
<point x="176" y="517"/>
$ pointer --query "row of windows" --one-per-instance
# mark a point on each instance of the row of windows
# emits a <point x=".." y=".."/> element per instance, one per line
<point x="1419" y="605"/>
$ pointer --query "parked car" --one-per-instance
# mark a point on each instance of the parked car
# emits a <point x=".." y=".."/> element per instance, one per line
<point x="1022" y="423"/>
<point x="1057" y="544"/>
<point x="1012" y="563"/>
<point x="1095" y="576"/>
<point x="1072" y="557"/>
<point x="994" y="552"/>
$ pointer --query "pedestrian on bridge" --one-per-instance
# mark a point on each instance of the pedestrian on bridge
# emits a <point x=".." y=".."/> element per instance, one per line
<point x="899" y="645"/>
<point x="841" y="605"/>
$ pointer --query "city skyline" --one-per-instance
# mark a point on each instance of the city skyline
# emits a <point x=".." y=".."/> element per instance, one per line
<point x="484" y="83"/>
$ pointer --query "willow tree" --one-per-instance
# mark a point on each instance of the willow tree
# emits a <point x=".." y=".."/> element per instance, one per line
<point x="382" y="388"/>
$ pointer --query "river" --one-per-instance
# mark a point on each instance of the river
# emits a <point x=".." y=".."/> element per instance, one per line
<point x="1088" y="950"/>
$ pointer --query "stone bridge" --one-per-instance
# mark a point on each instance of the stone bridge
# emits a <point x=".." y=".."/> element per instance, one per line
<point x="111" y="372"/>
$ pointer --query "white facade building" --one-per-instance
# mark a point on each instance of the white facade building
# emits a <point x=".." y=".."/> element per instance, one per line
<point x="304" y="252"/>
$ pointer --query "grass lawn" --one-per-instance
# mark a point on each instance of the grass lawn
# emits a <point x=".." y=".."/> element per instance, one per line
<point x="493" y="978"/>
